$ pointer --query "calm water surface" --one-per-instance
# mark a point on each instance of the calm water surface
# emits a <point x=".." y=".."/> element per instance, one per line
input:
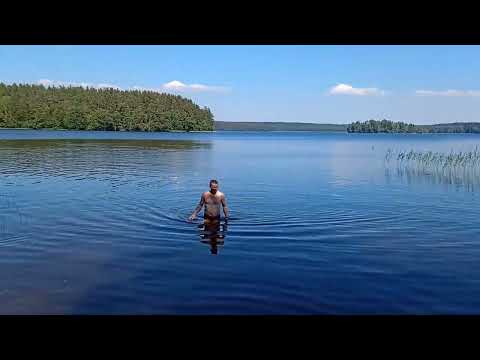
<point x="95" y="223"/>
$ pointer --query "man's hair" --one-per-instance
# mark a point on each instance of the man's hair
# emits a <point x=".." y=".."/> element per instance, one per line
<point x="213" y="181"/>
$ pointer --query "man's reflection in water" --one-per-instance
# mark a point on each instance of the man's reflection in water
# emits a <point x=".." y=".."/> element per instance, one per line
<point x="213" y="234"/>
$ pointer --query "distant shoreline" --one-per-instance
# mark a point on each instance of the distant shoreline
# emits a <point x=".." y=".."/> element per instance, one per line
<point x="277" y="126"/>
<point x="447" y="128"/>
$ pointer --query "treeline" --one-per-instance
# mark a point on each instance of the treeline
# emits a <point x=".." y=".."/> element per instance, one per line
<point x="453" y="128"/>
<point x="275" y="126"/>
<point x="387" y="126"/>
<point x="77" y="108"/>
<point x="384" y="126"/>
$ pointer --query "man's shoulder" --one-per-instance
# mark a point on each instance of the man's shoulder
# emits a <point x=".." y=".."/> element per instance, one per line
<point x="205" y="193"/>
<point x="221" y="194"/>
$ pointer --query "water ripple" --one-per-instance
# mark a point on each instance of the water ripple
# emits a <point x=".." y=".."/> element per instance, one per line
<point x="317" y="228"/>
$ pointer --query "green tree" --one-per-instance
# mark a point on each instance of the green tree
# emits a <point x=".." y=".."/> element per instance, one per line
<point x="36" y="106"/>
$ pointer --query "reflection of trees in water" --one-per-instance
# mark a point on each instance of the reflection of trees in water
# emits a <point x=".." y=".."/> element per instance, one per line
<point x="464" y="177"/>
<point x="91" y="157"/>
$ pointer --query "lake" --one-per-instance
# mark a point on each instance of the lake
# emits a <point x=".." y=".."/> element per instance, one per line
<point x="95" y="223"/>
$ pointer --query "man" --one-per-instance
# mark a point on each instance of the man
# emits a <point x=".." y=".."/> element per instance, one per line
<point x="212" y="200"/>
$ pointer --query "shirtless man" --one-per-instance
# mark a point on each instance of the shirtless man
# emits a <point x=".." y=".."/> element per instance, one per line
<point x="212" y="200"/>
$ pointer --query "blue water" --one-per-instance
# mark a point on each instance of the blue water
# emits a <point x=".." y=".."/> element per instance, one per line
<point x="95" y="223"/>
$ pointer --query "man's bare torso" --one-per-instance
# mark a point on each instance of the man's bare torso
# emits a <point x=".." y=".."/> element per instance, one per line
<point x="212" y="204"/>
<point x="212" y="201"/>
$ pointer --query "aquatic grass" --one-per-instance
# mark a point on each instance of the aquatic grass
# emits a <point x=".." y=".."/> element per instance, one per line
<point x="454" y="167"/>
<point x="436" y="160"/>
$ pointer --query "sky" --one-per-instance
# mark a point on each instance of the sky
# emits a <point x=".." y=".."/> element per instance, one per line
<point x="319" y="84"/>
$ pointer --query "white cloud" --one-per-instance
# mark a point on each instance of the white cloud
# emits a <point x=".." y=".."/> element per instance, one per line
<point x="179" y="86"/>
<point x="55" y="83"/>
<point x="175" y="85"/>
<point x="448" y="93"/>
<point x="345" y="89"/>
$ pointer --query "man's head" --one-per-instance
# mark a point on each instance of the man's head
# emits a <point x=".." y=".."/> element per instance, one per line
<point x="213" y="186"/>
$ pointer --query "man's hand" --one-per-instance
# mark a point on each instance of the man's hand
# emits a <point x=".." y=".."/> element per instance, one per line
<point x="198" y="208"/>
<point x="225" y="207"/>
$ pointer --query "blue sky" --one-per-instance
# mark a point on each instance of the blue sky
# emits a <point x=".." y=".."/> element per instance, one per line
<point x="320" y="84"/>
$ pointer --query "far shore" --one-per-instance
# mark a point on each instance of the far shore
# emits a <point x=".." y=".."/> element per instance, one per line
<point x="323" y="128"/>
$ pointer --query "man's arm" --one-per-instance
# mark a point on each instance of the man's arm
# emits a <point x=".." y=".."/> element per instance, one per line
<point x="225" y="207"/>
<point x="198" y="208"/>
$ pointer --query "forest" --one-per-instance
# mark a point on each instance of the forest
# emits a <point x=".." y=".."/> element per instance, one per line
<point x="387" y="126"/>
<point x="78" y="108"/>
<point x="384" y="126"/>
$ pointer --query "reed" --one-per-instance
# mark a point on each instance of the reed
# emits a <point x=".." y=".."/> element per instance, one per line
<point x="455" y="167"/>
<point x="435" y="160"/>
